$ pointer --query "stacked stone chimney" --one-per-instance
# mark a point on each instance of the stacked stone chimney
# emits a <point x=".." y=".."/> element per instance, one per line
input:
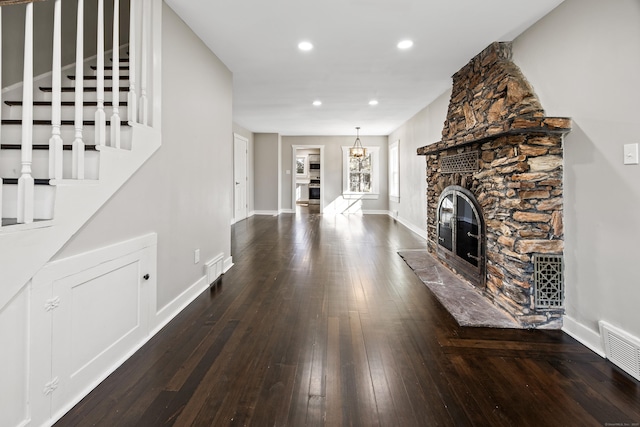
<point x="518" y="182"/>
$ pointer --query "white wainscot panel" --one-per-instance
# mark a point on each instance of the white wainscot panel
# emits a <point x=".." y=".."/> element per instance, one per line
<point x="13" y="360"/>
<point x="96" y="308"/>
<point x="99" y="320"/>
<point x="109" y="305"/>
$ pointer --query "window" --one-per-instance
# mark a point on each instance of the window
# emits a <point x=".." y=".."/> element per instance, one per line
<point x="394" y="171"/>
<point x="361" y="177"/>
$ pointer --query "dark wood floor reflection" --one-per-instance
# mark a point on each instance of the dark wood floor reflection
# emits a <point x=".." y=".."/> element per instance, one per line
<point x="320" y="322"/>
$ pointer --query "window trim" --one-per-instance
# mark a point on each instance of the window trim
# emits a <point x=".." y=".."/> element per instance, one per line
<point x="375" y="175"/>
<point x="394" y="170"/>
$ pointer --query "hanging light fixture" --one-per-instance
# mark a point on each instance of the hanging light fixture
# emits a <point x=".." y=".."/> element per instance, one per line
<point x="357" y="151"/>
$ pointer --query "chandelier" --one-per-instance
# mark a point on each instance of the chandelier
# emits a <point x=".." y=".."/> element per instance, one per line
<point x="357" y="151"/>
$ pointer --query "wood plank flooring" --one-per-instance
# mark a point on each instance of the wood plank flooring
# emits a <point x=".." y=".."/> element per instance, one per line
<point x="321" y="323"/>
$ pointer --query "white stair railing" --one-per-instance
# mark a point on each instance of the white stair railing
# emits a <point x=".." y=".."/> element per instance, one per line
<point x="0" y="110"/>
<point x="68" y="113"/>
<point x="145" y="15"/>
<point x="77" y="169"/>
<point x="100" y="116"/>
<point x="115" y="86"/>
<point x="132" y="102"/>
<point x="26" y="182"/>
<point x="55" y="142"/>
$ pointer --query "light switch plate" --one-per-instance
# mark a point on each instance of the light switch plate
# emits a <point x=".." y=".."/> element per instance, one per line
<point x="631" y="154"/>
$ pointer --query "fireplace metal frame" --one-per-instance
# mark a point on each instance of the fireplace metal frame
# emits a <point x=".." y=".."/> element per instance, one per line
<point x="475" y="274"/>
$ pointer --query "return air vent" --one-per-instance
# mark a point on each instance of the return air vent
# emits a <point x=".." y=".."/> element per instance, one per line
<point x="548" y="281"/>
<point x="460" y="163"/>
<point x="213" y="269"/>
<point x="621" y="348"/>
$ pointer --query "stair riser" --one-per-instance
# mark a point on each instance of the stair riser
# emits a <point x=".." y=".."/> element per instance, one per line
<point x="91" y="82"/>
<point x="12" y="134"/>
<point x="10" y="165"/>
<point x="43" y="112"/>
<point x="109" y="73"/>
<point x="39" y="95"/>
<point x="43" y="204"/>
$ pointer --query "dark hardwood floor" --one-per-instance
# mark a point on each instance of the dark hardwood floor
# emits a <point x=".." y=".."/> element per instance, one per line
<point x="320" y="322"/>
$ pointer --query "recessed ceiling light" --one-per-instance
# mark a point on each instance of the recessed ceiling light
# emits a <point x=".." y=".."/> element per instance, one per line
<point x="405" y="44"/>
<point x="373" y="102"/>
<point x="317" y="103"/>
<point x="305" y="46"/>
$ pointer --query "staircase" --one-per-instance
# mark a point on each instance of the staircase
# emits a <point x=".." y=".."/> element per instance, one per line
<point x="71" y="136"/>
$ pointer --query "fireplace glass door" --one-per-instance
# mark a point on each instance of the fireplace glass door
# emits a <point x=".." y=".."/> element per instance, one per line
<point x="460" y="232"/>
<point x="466" y="231"/>
<point x="445" y="225"/>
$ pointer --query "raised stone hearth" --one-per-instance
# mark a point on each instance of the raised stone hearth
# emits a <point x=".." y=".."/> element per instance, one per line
<point x="500" y="156"/>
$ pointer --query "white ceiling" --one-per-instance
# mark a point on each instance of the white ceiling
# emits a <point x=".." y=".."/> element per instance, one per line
<point x="354" y="60"/>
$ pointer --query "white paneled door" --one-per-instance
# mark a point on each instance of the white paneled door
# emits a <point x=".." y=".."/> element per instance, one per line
<point x="239" y="177"/>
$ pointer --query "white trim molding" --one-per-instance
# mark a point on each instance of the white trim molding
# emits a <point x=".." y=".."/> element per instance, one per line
<point x="586" y="336"/>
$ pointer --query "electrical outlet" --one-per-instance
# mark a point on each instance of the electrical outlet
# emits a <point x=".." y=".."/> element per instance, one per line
<point x="196" y="256"/>
<point x="631" y="154"/>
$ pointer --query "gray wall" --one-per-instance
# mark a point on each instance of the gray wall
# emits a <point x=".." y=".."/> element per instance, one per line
<point x="266" y="166"/>
<point x="332" y="168"/>
<point x="183" y="192"/>
<point x="582" y="60"/>
<point x="422" y="129"/>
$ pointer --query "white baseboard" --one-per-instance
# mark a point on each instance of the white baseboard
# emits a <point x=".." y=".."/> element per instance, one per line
<point x="171" y="310"/>
<point x="272" y="213"/>
<point x="251" y="213"/>
<point x="420" y="232"/>
<point x="228" y="263"/>
<point x="586" y="336"/>
<point x="289" y="211"/>
<point x="374" y="212"/>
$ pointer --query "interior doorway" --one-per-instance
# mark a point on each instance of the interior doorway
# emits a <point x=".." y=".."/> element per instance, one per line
<point x="239" y="177"/>
<point x="307" y="188"/>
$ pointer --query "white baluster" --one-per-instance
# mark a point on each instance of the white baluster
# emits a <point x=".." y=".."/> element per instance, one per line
<point x="26" y="182"/>
<point x="55" y="142"/>
<point x="132" y="104"/>
<point x="144" y="34"/>
<point x="0" y="108"/>
<point x="100" y="115"/>
<point x="78" y="143"/>
<point x="0" y="103"/>
<point x="115" y="118"/>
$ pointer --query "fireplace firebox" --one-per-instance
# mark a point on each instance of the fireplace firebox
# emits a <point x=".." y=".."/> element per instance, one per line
<point x="461" y="233"/>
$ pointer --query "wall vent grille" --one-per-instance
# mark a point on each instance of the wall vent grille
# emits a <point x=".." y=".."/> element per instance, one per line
<point x="621" y="349"/>
<point x="213" y="269"/>
<point x="460" y="163"/>
<point x="548" y="281"/>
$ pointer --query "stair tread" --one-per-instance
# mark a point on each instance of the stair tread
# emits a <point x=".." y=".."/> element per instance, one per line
<point x="86" y="89"/>
<point x="37" y="181"/>
<point x="63" y="103"/>
<point x="66" y="147"/>
<point x="110" y="67"/>
<point x="14" y="221"/>
<point x="122" y="59"/>
<point x="73" y="77"/>
<point x="62" y="122"/>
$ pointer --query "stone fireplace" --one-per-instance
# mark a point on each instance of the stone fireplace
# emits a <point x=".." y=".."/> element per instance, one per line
<point x="495" y="189"/>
